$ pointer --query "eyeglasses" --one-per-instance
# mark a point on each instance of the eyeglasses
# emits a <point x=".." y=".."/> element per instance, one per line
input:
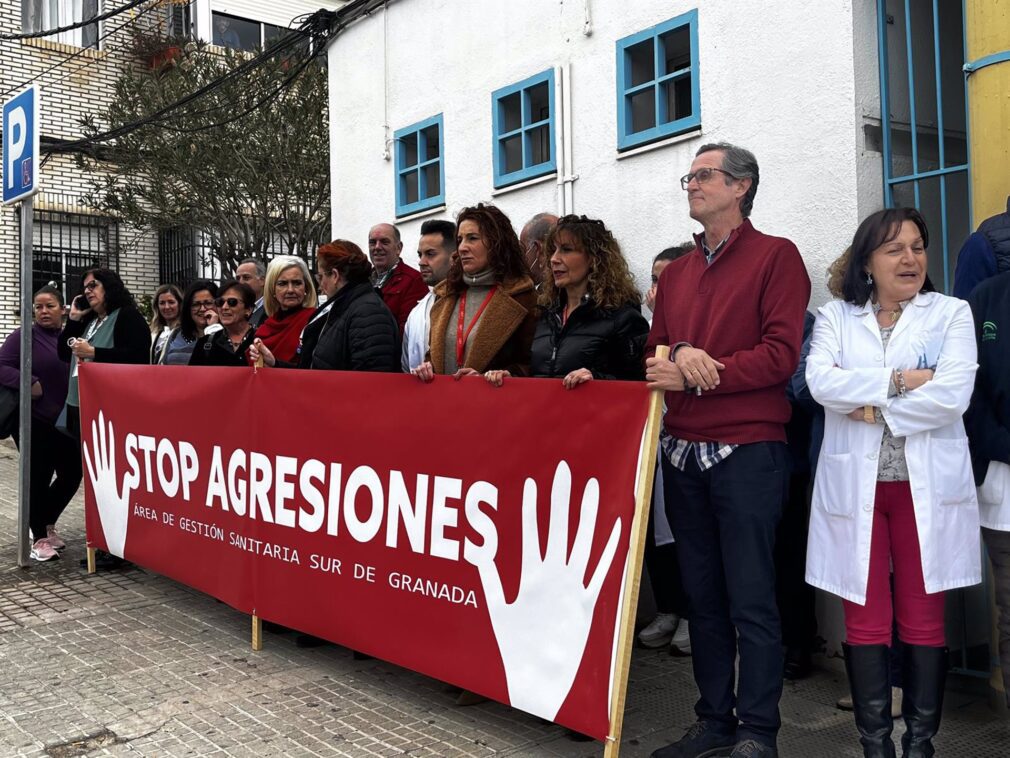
<point x="91" y="286"/>
<point x="203" y="304"/>
<point x="231" y="302"/>
<point x="702" y="175"/>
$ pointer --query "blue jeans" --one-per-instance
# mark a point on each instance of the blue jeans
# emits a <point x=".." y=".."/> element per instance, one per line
<point x="724" y="520"/>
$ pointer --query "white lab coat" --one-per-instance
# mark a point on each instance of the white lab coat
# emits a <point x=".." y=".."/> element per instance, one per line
<point x="994" y="497"/>
<point x="847" y="369"/>
<point x="415" y="334"/>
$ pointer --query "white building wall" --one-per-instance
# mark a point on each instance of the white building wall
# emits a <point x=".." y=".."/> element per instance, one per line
<point x="772" y="80"/>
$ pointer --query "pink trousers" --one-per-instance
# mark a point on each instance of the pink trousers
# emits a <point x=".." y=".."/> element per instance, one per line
<point x="895" y="543"/>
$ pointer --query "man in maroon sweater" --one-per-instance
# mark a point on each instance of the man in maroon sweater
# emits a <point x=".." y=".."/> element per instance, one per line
<point x="400" y="285"/>
<point x="732" y="311"/>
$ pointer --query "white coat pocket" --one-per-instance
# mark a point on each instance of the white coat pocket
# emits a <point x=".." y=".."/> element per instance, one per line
<point x="993" y="488"/>
<point x="953" y="483"/>
<point x="833" y="485"/>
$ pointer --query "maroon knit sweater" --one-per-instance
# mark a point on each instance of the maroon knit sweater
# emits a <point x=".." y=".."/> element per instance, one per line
<point x="746" y="311"/>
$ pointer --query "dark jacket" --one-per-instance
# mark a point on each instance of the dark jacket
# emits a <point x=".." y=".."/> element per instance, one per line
<point x="360" y="333"/>
<point x="131" y="339"/>
<point x="503" y="336"/>
<point x="988" y="418"/>
<point x="215" y="350"/>
<point x="608" y="342"/>
<point x="984" y="254"/>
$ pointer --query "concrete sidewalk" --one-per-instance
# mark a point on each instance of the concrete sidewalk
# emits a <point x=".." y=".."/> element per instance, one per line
<point x="128" y="663"/>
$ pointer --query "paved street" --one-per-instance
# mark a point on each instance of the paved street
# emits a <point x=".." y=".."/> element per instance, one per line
<point x="131" y="664"/>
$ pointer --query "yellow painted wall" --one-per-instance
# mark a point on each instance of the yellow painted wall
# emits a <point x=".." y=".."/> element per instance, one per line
<point x="987" y="27"/>
<point x="987" y="24"/>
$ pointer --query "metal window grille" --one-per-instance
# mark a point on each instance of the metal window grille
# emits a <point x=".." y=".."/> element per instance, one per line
<point x="924" y="121"/>
<point x="65" y="245"/>
<point x="186" y="254"/>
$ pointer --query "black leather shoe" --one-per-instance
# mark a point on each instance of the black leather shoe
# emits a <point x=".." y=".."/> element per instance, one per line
<point x="798" y="664"/>
<point x="753" y="749"/>
<point x="700" y="741"/>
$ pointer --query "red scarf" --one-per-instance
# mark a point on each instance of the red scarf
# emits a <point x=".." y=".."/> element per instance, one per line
<point x="282" y="333"/>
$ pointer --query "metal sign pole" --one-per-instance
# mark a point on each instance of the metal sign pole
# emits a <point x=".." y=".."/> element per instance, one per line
<point x="25" y="467"/>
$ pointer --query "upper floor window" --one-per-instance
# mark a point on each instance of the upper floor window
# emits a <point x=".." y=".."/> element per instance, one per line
<point x="657" y="82"/>
<point x="522" y="120"/>
<point x="420" y="173"/>
<point x="241" y="33"/>
<point x="39" y="15"/>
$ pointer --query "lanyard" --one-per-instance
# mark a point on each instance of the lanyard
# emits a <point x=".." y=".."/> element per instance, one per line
<point x="461" y="335"/>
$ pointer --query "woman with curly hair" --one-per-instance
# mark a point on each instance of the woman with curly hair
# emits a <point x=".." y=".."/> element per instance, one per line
<point x="591" y="326"/>
<point x="484" y="314"/>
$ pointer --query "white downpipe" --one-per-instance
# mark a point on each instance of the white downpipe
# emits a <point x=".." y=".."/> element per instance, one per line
<point x="566" y="175"/>
<point x="560" y="130"/>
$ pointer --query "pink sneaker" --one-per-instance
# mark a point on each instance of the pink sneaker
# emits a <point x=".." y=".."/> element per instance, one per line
<point x="54" y="539"/>
<point x="43" y="551"/>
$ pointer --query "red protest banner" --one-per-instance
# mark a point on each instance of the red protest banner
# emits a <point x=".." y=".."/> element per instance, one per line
<point x="492" y="525"/>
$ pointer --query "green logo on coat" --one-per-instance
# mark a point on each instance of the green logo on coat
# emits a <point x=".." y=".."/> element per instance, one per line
<point x="988" y="331"/>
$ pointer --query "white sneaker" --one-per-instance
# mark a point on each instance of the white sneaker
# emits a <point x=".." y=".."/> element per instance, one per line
<point x="43" y="551"/>
<point x="680" y="645"/>
<point x="660" y="631"/>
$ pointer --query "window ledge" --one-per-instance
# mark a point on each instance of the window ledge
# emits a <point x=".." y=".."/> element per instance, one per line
<point x="421" y="214"/>
<point x="62" y="47"/>
<point x="693" y="134"/>
<point x="552" y="177"/>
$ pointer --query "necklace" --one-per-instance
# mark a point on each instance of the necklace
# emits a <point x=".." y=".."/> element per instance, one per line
<point x="895" y="313"/>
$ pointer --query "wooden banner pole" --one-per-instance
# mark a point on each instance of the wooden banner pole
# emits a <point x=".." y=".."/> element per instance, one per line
<point x="636" y="551"/>
<point x="257" y="632"/>
<point x="91" y="560"/>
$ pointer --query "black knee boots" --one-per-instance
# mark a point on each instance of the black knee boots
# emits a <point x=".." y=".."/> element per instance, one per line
<point x="924" y="670"/>
<point x="868" y="667"/>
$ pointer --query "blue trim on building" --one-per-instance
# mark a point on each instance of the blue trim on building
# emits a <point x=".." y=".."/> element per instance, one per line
<point x="988" y="60"/>
<point x="425" y="198"/>
<point x="658" y="84"/>
<point x="524" y="131"/>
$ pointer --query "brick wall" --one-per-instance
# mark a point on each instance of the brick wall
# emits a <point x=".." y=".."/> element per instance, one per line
<point x="79" y="87"/>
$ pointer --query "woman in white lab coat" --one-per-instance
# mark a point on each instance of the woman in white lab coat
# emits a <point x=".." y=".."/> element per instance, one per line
<point x="894" y="366"/>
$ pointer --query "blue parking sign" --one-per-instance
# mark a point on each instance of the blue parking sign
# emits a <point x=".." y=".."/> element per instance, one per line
<point x="21" y="145"/>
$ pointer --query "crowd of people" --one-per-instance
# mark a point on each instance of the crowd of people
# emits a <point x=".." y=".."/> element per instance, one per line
<point x="797" y="451"/>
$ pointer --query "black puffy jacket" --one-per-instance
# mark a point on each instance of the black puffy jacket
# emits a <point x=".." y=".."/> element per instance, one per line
<point x="608" y="342"/>
<point x="360" y="333"/>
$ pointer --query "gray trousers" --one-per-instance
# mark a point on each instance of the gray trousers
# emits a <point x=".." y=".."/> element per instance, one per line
<point x="998" y="545"/>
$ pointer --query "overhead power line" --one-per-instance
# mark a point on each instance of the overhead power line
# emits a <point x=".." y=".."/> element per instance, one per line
<point x="317" y="26"/>
<point x="76" y="24"/>
<point x="81" y="52"/>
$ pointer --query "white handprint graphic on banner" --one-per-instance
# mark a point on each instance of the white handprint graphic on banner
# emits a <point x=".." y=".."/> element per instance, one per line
<point x="542" y="634"/>
<point x="113" y="505"/>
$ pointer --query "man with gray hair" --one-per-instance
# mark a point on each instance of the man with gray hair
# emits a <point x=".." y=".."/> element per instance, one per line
<point x="253" y="271"/>
<point x="733" y="312"/>
<point x="533" y="238"/>
<point x="400" y="285"/>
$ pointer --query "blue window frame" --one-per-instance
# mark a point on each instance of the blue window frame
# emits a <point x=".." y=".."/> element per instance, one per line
<point x="522" y="124"/>
<point x="658" y="94"/>
<point x="420" y="170"/>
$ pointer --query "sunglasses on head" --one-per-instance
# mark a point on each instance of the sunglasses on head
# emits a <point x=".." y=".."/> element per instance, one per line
<point x="231" y="302"/>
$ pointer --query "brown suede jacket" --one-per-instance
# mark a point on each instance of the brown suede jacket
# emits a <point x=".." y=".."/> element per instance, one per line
<point x="504" y="336"/>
